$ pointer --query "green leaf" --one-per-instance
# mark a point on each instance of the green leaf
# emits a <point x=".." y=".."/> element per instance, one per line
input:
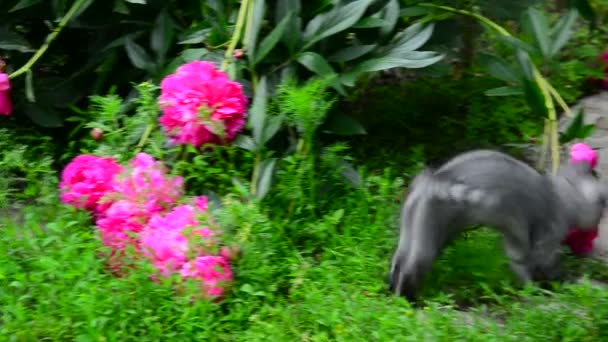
<point x="415" y="11"/>
<point x="272" y="126"/>
<point x="413" y="37"/>
<point x="137" y="55"/>
<point x="351" y="52"/>
<point x="573" y="128"/>
<point x="563" y="31"/>
<point x="391" y="16"/>
<point x="120" y="7"/>
<point x="315" y="63"/>
<point x="265" y="177"/>
<point x="342" y="124"/>
<point x="291" y="35"/>
<point x="10" y="40"/>
<point x="272" y="39"/>
<point x="83" y="7"/>
<point x="42" y="115"/>
<point x="525" y="64"/>
<point x="161" y="37"/>
<point x="503" y="91"/>
<point x="245" y="142"/>
<point x="24" y="4"/>
<point x="535" y="98"/>
<point x="140" y="2"/>
<point x="196" y="37"/>
<point x="370" y="22"/>
<point x="498" y="67"/>
<point x="384" y="63"/>
<point x="29" y="86"/>
<point x="337" y="20"/>
<point x="250" y="38"/>
<point x="519" y="44"/>
<point x="190" y="55"/>
<point x="538" y="27"/>
<point x="257" y="113"/>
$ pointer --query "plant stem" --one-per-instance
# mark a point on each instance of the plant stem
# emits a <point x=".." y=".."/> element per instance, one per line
<point x="144" y="138"/>
<point x="559" y="99"/>
<point x="481" y="18"/>
<point x="547" y="90"/>
<point x="236" y="35"/>
<point x="50" y="38"/>
<point x="544" y="144"/>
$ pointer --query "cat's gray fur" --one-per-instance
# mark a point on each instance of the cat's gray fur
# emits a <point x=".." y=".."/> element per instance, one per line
<point x="533" y="211"/>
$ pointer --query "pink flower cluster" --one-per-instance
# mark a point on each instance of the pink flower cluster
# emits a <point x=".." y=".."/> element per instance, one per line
<point x="201" y="105"/>
<point x="137" y="206"/>
<point x="6" y="107"/>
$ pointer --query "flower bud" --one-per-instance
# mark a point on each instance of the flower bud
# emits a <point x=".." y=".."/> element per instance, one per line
<point x="238" y="53"/>
<point x="96" y="134"/>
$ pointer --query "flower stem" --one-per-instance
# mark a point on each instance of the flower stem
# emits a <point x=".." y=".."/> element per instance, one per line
<point x="144" y="138"/>
<point x="50" y="38"/>
<point x="236" y="35"/>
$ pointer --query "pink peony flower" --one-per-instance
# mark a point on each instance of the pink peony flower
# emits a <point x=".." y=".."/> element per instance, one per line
<point x="147" y="184"/>
<point x="582" y="153"/>
<point x="213" y="271"/>
<point x="121" y="218"/>
<point x="86" y="179"/>
<point x="6" y="107"/>
<point x="166" y="238"/>
<point x="201" y="105"/>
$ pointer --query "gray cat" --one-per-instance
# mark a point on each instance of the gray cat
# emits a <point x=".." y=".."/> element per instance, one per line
<point x="533" y="212"/>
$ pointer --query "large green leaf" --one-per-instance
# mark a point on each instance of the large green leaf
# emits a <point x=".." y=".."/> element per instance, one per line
<point x="253" y="27"/>
<point x="525" y="64"/>
<point x="195" y="36"/>
<point x="351" y="52"/>
<point x="415" y="11"/>
<point x="257" y="113"/>
<point x="161" y="37"/>
<point x="338" y="19"/>
<point x="24" y="4"/>
<point x="315" y="63"/>
<point x="384" y="63"/>
<point x="535" y="98"/>
<point x="272" y="39"/>
<point x="498" y="67"/>
<point x="190" y="55"/>
<point x="563" y="31"/>
<point x="291" y="35"/>
<point x="370" y="22"/>
<point x="412" y="38"/>
<point x="391" y="16"/>
<point x="265" y="177"/>
<point x="137" y="55"/>
<point x="519" y="44"/>
<point x="10" y="40"/>
<point x="503" y="91"/>
<point x="536" y="24"/>
<point x="272" y="126"/>
<point x="576" y="129"/>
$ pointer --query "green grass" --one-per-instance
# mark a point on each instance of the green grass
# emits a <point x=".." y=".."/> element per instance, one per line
<point x="54" y="286"/>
